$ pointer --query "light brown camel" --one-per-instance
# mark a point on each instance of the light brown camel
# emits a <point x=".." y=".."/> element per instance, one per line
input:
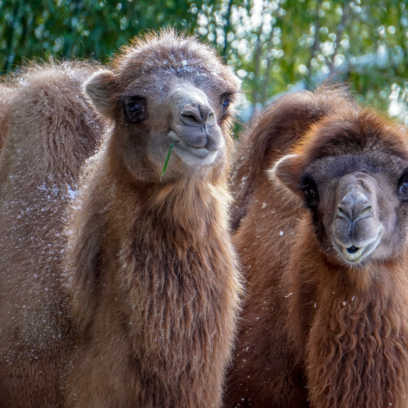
<point x="324" y="249"/>
<point x="51" y="129"/>
<point x="150" y="267"/>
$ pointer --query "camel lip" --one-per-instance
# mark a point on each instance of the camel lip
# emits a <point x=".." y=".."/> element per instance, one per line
<point x="192" y="155"/>
<point x="356" y="257"/>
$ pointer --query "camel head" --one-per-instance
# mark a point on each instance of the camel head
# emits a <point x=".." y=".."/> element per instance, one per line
<point x="351" y="172"/>
<point x="167" y="90"/>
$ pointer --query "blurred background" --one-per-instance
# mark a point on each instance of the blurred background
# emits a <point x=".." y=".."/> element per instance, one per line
<point x="274" y="46"/>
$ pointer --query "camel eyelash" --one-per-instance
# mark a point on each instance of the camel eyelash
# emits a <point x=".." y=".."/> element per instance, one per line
<point x="135" y="108"/>
<point x="310" y="191"/>
<point x="228" y="95"/>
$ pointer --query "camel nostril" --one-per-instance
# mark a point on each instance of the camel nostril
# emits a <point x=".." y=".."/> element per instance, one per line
<point x="197" y="116"/>
<point x="352" y="211"/>
<point x="352" y="249"/>
<point x="190" y="119"/>
<point x="342" y="213"/>
<point x="366" y="212"/>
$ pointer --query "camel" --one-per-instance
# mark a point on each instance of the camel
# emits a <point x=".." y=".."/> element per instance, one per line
<point x="49" y="130"/>
<point x="323" y="244"/>
<point x="150" y="270"/>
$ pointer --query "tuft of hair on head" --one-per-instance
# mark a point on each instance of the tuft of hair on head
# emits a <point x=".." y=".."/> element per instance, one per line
<point x="161" y="50"/>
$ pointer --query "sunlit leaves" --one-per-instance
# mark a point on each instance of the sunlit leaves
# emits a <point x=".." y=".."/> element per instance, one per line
<point x="81" y="28"/>
<point x="276" y="46"/>
<point x="273" y="45"/>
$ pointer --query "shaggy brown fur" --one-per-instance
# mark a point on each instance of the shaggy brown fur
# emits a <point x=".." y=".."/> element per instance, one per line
<point x="150" y="265"/>
<point x="316" y="329"/>
<point x="51" y="130"/>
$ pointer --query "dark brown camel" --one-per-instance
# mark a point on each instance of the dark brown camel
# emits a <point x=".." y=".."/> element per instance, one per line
<point x="323" y="245"/>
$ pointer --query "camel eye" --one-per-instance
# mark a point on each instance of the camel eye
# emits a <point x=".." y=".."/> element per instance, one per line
<point x="311" y="196"/>
<point x="135" y="109"/>
<point x="403" y="190"/>
<point x="310" y="192"/>
<point x="404" y="187"/>
<point x="225" y="104"/>
<point x="309" y="188"/>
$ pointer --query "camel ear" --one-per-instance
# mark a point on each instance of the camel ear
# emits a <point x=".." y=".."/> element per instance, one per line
<point x="100" y="88"/>
<point x="283" y="173"/>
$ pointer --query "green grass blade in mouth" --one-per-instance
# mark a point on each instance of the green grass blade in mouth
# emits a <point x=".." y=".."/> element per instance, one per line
<point x="167" y="161"/>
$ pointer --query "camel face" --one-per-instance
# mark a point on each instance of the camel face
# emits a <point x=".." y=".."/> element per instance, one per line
<point x="183" y="110"/>
<point x="169" y="90"/>
<point x="356" y="227"/>
<point x="357" y="204"/>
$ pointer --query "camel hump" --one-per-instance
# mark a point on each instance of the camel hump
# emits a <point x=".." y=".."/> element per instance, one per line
<point x="275" y="131"/>
<point x="50" y="95"/>
<point x="50" y="118"/>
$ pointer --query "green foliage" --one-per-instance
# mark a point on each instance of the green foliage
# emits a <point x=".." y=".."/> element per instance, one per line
<point x="273" y="45"/>
<point x="80" y="28"/>
<point x="277" y="44"/>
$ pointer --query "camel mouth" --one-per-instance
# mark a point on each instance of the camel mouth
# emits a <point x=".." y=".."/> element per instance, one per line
<point x="355" y="255"/>
<point x="192" y="155"/>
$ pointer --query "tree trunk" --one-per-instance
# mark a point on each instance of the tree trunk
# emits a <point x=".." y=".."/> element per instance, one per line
<point x="226" y="29"/>
<point x="314" y="47"/>
<point x="10" y="36"/>
<point x="257" y="63"/>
